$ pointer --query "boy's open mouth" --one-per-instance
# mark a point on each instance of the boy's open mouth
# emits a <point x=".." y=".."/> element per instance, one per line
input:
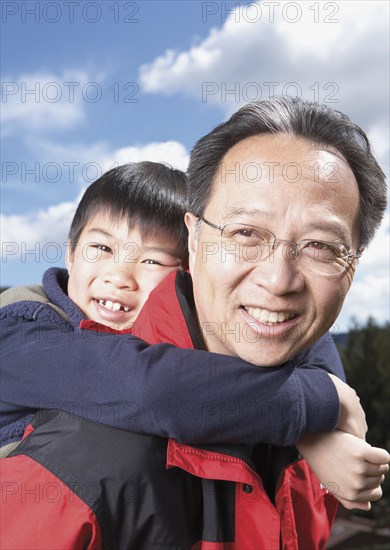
<point x="113" y="306"/>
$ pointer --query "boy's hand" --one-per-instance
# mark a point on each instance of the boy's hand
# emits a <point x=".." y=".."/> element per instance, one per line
<point x="352" y="416"/>
<point x="347" y="466"/>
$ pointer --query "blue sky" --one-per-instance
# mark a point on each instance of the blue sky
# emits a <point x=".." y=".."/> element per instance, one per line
<point x="86" y="85"/>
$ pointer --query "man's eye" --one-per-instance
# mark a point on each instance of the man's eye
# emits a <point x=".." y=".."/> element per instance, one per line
<point x="323" y="251"/>
<point x="322" y="246"/>
<point x="244" y="234"/>
<point x="318" y="245"/>
<point x="249" y="236"/>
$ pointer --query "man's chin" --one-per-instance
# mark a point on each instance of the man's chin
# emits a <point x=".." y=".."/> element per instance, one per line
<point x="261" y="353"/>
<point x="261" y="357"/>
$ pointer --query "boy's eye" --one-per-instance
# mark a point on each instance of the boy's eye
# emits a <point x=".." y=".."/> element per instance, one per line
<point x="163" y="262"/>
<point x="102" y="247"/>
<point x="152" y="262"/>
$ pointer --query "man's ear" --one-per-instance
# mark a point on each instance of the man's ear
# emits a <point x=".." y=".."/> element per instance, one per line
<point x="69" y="256"/>
<point x="191" y="223"/>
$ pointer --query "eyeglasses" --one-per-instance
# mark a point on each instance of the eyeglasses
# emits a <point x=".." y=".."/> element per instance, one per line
<point x="254" y="244"/>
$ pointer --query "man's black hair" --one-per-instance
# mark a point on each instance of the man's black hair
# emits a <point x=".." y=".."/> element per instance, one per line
<point x="306" y="120"/>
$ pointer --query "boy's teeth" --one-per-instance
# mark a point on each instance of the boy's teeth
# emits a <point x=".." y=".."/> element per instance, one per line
<point x="113" y="306"/>
<point x="269" y="317"/>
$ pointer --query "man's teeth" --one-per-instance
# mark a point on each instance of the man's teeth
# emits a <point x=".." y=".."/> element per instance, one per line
<point x="113" y="306"/>
<point x="269" y="317"/>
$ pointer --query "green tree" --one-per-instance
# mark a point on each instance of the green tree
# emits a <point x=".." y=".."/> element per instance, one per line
<point x="367" y="365"/>
<point x="366" y="360"/>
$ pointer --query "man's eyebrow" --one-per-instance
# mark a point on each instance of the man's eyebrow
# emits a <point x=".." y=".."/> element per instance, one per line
<point x="338" y="230"/>
<point x="237" y="211"/>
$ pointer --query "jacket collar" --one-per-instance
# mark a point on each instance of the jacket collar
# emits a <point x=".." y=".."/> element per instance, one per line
<point x="55" y="284"/>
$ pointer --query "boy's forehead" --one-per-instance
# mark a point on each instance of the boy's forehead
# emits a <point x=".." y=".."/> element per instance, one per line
<point x="108" y="221"/>
<point x="123" y="229"/>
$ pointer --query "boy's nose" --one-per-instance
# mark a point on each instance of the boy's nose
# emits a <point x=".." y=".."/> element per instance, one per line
<point x="121" y="278"/>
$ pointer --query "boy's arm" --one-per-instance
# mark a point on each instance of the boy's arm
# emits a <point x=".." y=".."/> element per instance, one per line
<point x="322" y="354"/>
<point x="193" y="396"/>
<point x="345" y="464"/>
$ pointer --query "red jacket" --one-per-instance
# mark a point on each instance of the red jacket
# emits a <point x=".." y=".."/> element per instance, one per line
<point x="213" y="494"/>
<point x="303" y="512"/>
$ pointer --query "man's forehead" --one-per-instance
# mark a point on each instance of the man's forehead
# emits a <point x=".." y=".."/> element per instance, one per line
<point x="279" y="149"/>
<point x="262" y="160"/>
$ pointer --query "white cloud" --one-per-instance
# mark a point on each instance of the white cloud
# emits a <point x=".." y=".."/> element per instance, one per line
<point x="169" y="152"/>
<point x="379" y="137"/>
<point x="37" y="102"/>
<point x="370" y="293"/>
<point x="341" y="60"/>
<point x="38" y="235"/>
<point x="89" y="162"/>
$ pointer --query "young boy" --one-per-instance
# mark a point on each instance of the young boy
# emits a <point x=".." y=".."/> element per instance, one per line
<point x="126" y="236"/>
<point x="115" y="258"/>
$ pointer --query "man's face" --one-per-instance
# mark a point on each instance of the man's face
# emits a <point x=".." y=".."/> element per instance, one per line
<point x="112" y="271"/>
<point x="269" y="310"/>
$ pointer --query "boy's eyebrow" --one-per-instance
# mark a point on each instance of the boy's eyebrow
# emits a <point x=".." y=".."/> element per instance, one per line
<point x="170" y="251"/>
<point x="98" y="230"/>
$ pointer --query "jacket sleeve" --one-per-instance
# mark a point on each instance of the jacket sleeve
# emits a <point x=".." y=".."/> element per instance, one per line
<point x="192" y="396"/>
<point x="38" y="510"/>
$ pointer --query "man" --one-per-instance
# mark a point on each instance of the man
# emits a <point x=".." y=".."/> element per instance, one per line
<point x="260" y="297"/>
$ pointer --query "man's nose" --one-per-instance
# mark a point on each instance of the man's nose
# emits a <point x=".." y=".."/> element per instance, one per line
<point x="280" y="273"/>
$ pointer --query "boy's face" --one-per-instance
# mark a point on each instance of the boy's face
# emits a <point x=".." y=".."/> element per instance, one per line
<point x="112" y="270"/>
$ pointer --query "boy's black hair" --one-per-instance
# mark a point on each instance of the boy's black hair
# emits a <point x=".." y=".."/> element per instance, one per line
<point x="149" y="195"/>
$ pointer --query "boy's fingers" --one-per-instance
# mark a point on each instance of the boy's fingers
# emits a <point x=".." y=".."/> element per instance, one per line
<point x="377" y="455"/>
<point x="354" y="505"/>
<point x="373" y="482"/>
<point x="376" y="469"/>
<point x="371" y="495"/>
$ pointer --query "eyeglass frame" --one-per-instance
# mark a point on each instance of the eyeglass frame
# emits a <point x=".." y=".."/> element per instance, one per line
<point x="349" y="258"/>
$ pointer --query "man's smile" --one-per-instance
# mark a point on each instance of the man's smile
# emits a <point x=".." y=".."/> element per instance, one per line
<point x="268" y="317"/>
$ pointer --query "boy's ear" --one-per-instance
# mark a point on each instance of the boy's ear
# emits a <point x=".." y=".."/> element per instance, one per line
<point x="69" y="256"/>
